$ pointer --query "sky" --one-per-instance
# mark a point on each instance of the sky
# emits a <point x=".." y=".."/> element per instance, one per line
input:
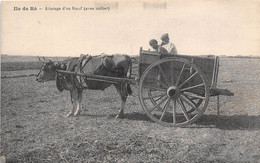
<point x="218" y="27"/>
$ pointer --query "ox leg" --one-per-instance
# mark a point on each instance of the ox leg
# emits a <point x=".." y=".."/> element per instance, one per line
<point x="78" y="102"/>
<point x="123" y="95"/>
<point x="73" y="97"/>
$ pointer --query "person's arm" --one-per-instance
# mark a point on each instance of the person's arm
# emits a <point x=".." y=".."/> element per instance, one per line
<point x="173" y="49"/>
<point x="162" y="50"/>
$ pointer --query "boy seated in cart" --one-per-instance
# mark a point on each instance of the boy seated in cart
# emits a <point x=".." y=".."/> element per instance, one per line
<point x="165" y="47"/>
<point x="157" y="48"/>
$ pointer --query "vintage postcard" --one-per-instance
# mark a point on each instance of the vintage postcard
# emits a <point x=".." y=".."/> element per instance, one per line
<point x="130" y="81"/>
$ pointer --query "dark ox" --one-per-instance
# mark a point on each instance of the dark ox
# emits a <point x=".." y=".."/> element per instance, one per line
<point x="112" y="66"/>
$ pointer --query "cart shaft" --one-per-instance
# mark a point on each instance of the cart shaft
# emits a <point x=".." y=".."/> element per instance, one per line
<point x="100" y="78"/>
<point x="219" y="91"/>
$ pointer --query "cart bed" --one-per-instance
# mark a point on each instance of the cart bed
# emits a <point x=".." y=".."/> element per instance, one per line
<point x="208" y="65"/>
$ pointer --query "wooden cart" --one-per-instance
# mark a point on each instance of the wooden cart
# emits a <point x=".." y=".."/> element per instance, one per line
<point x="174" y="90"/>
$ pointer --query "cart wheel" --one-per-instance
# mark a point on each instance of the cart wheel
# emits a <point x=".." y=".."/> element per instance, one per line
<point x="170" y="95"/>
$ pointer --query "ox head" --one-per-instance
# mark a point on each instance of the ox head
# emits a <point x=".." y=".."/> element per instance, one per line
<point x="48" y="71"/>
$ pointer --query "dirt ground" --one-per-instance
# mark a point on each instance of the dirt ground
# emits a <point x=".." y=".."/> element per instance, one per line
<point x="34" y="128"/>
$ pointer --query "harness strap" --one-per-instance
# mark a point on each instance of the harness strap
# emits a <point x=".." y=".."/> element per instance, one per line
<point x="81" y="79"/>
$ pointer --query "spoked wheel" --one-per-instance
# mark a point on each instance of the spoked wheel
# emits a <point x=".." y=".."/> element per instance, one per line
<point x="172" y="96"/>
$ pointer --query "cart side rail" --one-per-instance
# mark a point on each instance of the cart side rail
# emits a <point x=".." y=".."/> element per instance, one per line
<point x="209" y="65"/>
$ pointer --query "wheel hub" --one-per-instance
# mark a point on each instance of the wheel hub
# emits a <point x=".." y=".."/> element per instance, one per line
<point x="173" y="92"/>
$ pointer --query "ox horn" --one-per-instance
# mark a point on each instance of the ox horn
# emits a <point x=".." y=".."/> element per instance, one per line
<point x="39" y="58"/>
<point x="47" y="59"/>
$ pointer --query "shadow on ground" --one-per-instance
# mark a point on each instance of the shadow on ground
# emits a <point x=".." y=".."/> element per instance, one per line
<point x="234" y="122"/>
<point x="130" y="116"/>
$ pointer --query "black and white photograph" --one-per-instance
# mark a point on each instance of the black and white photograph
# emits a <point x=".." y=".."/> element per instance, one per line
<point x="130" y="81"/>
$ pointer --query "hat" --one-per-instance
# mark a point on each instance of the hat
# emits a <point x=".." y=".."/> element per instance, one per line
<point x="164" y="36"/>
<point x="153" y="41"/>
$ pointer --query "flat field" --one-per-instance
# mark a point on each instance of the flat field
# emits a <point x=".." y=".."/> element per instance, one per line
<point x="34" y="128"/>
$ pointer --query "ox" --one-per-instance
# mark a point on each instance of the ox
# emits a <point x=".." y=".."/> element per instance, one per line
<point x="113" y="66"/>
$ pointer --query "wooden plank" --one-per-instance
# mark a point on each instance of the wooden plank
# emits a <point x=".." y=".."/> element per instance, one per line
<point x="148" y="58"/>
<point x="205" y="64"/>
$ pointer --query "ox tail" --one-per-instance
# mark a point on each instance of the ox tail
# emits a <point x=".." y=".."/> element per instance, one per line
<point x="130" y="67"/>
<point x="128" y="87"/>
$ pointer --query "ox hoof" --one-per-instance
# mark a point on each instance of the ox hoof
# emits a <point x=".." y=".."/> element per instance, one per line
<point x="77" y="113"/>
<point x="120" y="115"/>
<point x="69" y="115"/>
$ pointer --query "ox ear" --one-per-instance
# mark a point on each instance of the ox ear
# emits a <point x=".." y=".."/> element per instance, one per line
<point x="59" y="82"/>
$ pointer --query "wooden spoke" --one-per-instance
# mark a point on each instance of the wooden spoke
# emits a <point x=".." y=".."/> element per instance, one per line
<point x="165" y="108"/>
<point x="191" y="100"/>
<point x="187" y="79"/>
<point x="158" y="104"/>
<point x="183" y="108"/>
<point x="172" y="80"/>
<point x="174" y="112"/>
<point x="154" y="100"/>
<point x="155" y="104"/>
<point x="154" y="96"/>
<point x="179" y="77"/>
<point x="158" y="99"/>
<point x="162" y="83"/>
<point x="189" y="103"/>
<point x="194" y="95"/>
<point x="195" y="86"/>
<point x="163" y="75"/>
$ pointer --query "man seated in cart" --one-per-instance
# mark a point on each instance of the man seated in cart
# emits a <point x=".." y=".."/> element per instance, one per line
<point x="157" y="48"/>
<point x="170" y="47"/>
